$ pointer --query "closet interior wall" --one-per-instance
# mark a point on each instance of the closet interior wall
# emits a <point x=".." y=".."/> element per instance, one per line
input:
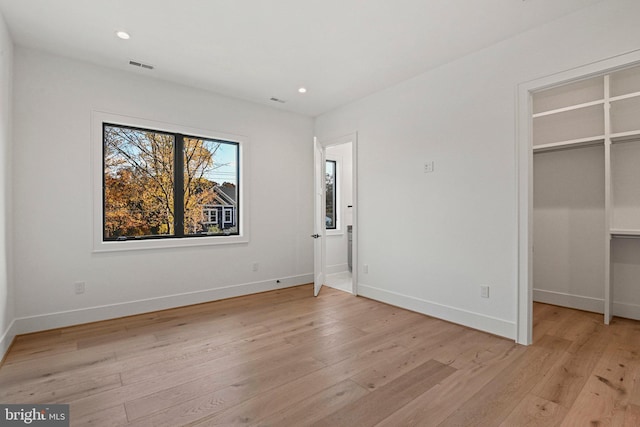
<point x="586" y="195"/>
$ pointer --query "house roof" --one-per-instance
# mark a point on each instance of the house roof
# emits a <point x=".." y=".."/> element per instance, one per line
<point x="224" y="196"/>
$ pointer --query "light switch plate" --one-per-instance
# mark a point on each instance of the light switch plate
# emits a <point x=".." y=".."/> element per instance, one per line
<point x="429" y="167"/>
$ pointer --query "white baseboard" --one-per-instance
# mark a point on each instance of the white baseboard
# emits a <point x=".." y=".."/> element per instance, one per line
<point x="596" y="305"/>
<point x="337" y="268"/>
<point x="578" y="302"/>
<point x="61" y="319"/>
<point x="629" y="311"/>
<point x="7" y="338"/>
<point x="473" y="320"/>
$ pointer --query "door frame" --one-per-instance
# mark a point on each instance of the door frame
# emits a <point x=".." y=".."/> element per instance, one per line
<point x="333" y="141"/>
<point x="524" y="171"/>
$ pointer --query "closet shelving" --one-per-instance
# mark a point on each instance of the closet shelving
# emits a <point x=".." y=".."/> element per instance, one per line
<point x="599" y="111"/>
<point x="619" y="232"/>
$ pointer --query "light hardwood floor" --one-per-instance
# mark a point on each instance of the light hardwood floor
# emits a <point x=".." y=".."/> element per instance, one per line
<point x="285" y="358"/>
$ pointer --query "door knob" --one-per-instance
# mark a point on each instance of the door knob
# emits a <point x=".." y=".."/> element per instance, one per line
<point x="315" y="236"/>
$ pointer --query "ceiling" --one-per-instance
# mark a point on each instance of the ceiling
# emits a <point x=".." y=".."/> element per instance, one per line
<point x="340" y="50"/>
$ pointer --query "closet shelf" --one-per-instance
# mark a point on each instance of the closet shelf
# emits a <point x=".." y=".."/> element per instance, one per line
<point x="585" y="105"/>
<point x="625" y="96"/>
<point x="569" y="108"/>
<point x="625" y="136"/>
<point x="616" y="232"/>
<point x="573" y="143"/>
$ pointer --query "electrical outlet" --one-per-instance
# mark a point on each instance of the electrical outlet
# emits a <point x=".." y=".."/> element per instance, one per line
<point x="365" y="268"/>
<point x="254" y="266"/>
<point x="79" y="287"/>
<point x="484" y="291"/>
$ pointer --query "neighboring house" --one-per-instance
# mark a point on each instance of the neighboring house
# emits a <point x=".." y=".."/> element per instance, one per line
<point x="223" y="212"/>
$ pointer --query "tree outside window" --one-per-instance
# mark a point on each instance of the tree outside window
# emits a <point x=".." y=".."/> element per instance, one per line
<point x="159" y="184"/>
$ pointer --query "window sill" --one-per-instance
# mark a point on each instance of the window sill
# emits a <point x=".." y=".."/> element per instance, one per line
<point x="137" y="245"/>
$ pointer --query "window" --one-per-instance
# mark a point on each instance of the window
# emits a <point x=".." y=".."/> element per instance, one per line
<point x="228" y="215"/>
<point x="331" y="218"/>
<point x="211" y="216"/>
<point x="159" y="184"/>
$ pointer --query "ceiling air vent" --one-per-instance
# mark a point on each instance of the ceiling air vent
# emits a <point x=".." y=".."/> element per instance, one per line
<point x="274" y="99"/>
<point x="141" y="65"/>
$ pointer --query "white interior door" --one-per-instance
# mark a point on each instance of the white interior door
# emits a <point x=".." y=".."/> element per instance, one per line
<point x="319" y="216"/>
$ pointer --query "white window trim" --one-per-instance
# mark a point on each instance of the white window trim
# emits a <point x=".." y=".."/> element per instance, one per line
<point x="97" y="120"/>
<point x="213" y="213"/>
<point x="227" y="212"/>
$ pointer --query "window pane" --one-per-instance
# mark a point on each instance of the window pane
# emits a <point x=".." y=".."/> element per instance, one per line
<point x="210" y="187"/>
<point x="330" y="182"/>
<point x="138" y="182"/>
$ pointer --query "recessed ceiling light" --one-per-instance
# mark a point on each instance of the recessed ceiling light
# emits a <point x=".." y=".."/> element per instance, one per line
<point x="123" y="35"/>
<point x="302" y="90"/>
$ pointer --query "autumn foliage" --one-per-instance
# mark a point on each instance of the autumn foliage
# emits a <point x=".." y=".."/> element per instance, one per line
<point x="139" y="182"/>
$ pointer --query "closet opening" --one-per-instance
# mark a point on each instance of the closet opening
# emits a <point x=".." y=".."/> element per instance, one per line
<point x="585" y="201"/>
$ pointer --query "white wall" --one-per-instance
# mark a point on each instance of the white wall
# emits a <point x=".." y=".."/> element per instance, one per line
<point x="54" y="98"/>
<point x="457" y="227"/>
<point x="6" y="105"/>
<point x="625" y="253"/>
<point x="569" y="228"/>
<point x="337" y="239"/>
<point x="625" y="271"/>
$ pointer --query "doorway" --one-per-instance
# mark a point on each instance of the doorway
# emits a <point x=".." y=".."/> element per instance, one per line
<point x="338" y="214"/>
<point x="527" y="147"/>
